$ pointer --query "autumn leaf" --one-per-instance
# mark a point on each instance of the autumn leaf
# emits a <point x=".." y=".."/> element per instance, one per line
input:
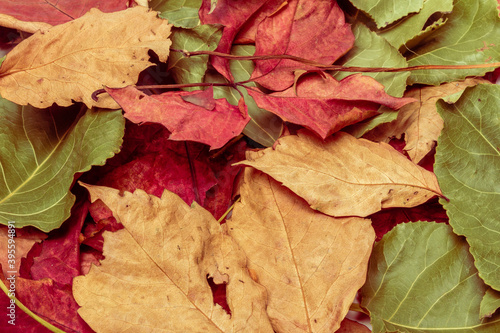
<point x="30" y="27"/>
<point x="186" y="121"/>
<point x="51" y="146"/>
<point x="422" y="278"/>
<point x="156" y="270"/>
<point x="70" y="61"/>
<point x="57" y="12"/>
<point x="345" y="176"/>
<point x="312" y="30"/>
<point x="311" y="264"/>
<point x="385" y="12"/>
<point x="419" y="121"/>
<point x="325" y="105"/>
<point x="467" y="164"/>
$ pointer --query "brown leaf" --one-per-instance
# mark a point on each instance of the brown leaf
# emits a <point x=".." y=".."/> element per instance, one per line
<point x="155" y="272"/>
<point x="311" y="264"/>
<point x="31" y="27"/>
<point x="345" y="176"/>
<point x="419" y="121"/>
<point x="72" y="60"/>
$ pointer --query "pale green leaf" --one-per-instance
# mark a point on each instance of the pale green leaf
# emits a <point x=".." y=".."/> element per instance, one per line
<point x="385" y="12"/>
<point x="41" y="151"/>
<point x="468" y="170"/>
<point x="411" y="26"/>
<point x="470" y="36"/>
<point x="264" y="127"/>
<point x="370" y="50"/>
<point x="201" y="38"/>
<point x="359" y="129"/>
<point x="421" y="278"/>
<point x="490" y="303"/>
<point x="180" y="13"/>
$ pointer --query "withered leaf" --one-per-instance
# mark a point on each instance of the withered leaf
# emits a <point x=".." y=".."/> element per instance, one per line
<point x="70" y="61"/>
<point x="345" y="176"/>
<point x="155" y="272"/>
<point x="311" y="264"/>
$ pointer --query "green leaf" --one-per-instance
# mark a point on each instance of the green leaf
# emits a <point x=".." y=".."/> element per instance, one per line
<point x="180" y="13"/>
<point x="385" y="12"/>
<point x="421" y="278"/>
<point x="370" y="50"/>
<point x="264" y="127"/>
<point x="410" y="27"/>
<point x="2" y="59"/>
<point x="468" y="167"/>
<point x="470" y="36"/>
<point x="41" y="152"/>
<point x="202" y="38"/>
<point x="490" y="303"/>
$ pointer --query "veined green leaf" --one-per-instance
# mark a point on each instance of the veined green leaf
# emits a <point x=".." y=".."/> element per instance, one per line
<point x="41" y="151"/>
<point x="470" y="36"/>
<point x="359" y="129"/>
<point x="264" y="127"/>
<point x="201" y="38"/>
<point x="411" y="26"/>
<point x="421" y="278"/>
<point x="385" y="12"/>
<point x="180" y="13"/>
<point x="490" y="303"/>
<point x="468" y="170"/>
<point x="370" y="50"/>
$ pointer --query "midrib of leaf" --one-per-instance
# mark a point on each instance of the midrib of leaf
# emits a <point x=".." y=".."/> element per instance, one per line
<point x="161" y="269"/>
<point x="294" y="262"/>
<point x="441" y="329"/>
<point x="39" y="166"/>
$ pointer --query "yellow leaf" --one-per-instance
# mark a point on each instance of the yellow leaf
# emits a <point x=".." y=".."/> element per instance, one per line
<point x="31" y="27"/>
<point x="345" y="176"/>
<point x="72" y="60"/>
<point x="154" y="277"/>
<point x="311" y="264"/>
<point x="419" y="121"/>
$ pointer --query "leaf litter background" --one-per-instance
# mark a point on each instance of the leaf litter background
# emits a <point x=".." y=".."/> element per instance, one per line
<point x="314" y="203"/>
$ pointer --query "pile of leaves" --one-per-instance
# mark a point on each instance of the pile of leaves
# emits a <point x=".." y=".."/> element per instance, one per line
<point x="212" y="166"/>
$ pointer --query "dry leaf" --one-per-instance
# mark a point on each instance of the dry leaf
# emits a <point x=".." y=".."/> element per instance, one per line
<point x="31" y="27"/>
<point x="154" y="277"/>
<point x="419" y="121"/>
<point x="311" y="264"/>
<point x="72" y="60"/>
<point x="345" y="176"/>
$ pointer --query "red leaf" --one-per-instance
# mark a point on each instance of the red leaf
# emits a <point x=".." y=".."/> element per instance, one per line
<point x="232" y="14"/>
<point x="326" y="105"/>
<point x="59" y="259"/>
<point x="185" y="120"/>
<point x="308" y="29"/>
<point x="57" y="11"/>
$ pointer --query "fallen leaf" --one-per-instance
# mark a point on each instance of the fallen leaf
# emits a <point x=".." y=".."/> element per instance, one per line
<point x="30" y="27"/>
<point x="232" y="15"/>
<point x="422" y="278"/>
<point x="24" y="241"/>
<point x="385" y="12"/>
<point x="467" y="164"/>
<point x="470" y="36"/>
<point x="326" y="105"/>
<point x="51" y="146"/>
<point x="419" y="121"/>
<point x="183" y="14"/>
<point x="311" y="264"/>
<point x="185" y="120"/>
<point x="156" y="271"/>
<point x="490" y="303"/>
<point x="56" y="12"/>
<point x="345" y="176"/>
<point x="70" y="61"/>
<point x="349" y="326"/>
<point x="312" y="30"/>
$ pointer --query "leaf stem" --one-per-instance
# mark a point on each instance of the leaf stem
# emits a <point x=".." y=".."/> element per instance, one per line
<point x="356" y="307"/>
<point x="28" y="311"/>
<point x="334" y="67"/>
<point x="228" y="211"/>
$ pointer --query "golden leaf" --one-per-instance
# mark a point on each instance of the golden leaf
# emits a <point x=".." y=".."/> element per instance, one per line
<point x="72" y="60"/>
<point x="311" y="264"/>
<point x="345" y="176"/>
<point x="154" y="277"/>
